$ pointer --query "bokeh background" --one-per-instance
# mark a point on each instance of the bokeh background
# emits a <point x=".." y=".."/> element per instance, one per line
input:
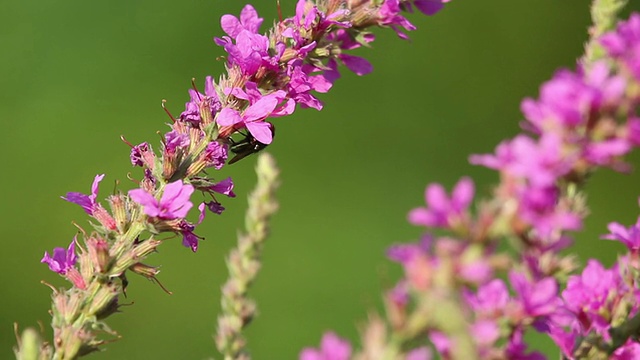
<point x="78" y="74"/>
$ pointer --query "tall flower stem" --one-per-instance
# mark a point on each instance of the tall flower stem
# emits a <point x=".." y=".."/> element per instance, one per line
<point x="243" y="263"/>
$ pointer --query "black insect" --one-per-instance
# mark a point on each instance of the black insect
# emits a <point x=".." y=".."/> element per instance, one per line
<point x="247" y="146"/>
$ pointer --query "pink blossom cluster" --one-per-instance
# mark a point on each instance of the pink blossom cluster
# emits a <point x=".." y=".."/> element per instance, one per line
<point x="502" y="265"/>
<point x="267" y="76"/>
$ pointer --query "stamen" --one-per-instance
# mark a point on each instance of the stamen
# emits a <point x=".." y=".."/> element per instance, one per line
<point x="167" y="111"/>
<point x="193" y="84"/>
<point x="124" y="140"/>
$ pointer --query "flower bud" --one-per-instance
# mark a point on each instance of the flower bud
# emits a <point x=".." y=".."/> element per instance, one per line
<point x="102" y="215"/>
<point x="119" y="211"/>
<point x="99" y="254"/>
<point x="103" y="299"/>
<point x="66" y="306"/>
<point x="76" y="279"/>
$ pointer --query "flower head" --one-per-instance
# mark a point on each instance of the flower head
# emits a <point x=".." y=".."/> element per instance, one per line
<point x="630" y="236"/>
<point x="536" y="299"/>
<point x="173" y="204"/>
<point x="215" y="155"/>
<point x="389" y="14"/>
<point x="142" y="155"/>
<point x="442" y="210"/>
<point x="62" y="259"/>
<point x="593" y="292"/>
<point x="253" y="117"/>
<point x="174" y="140"/>
<point x="192" y="114"/>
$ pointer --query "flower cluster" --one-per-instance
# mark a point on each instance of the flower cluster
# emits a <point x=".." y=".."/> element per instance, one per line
<point x="267" y="76"/>
<point x="470" y="296"/>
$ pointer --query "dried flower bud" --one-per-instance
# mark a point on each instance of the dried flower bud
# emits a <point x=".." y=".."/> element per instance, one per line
<point x="147" y="271"/>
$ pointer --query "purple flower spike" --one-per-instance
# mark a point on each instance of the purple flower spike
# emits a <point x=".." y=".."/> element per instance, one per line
<point x="62" y="260"/>
<point x="173" y="204"/>
<point x="331" y="348"/>
<point x="88" y="202"/>
<point x="441" y="210"/>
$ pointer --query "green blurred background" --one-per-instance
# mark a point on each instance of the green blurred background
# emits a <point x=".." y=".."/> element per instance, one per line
<point x="78" y="74"/>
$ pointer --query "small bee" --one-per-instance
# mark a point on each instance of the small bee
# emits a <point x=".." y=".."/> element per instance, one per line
<point x="247" y="146"/>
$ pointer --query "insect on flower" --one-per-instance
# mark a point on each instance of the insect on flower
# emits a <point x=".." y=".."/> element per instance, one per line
<point x="247" y="146"/>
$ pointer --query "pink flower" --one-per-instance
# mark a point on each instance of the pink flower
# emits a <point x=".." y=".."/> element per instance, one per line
<point x="253" y="117"/>
<point x="442" y="210"/>
<point x="389" y="14"/>
<point x="630" y="236"/>
<point x="331" y="348"/>
<point x="173" y="204"/>
<point x="191" y="114"/>
<point x="62" y="260"/>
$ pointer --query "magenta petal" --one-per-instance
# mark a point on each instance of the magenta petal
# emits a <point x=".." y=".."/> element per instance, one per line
<point x="175" y="199"/>
<point x="224" y="187"/>
<point x="422" y="216"/>
<point x="463" y="193"/>
<point x="95" y="186"/>
<point x="249" y="18"/>
<point x="80" y="199"/>
<point x="190" y="240"/>
<point x="320" y="83"/>
<point x="62" y="260"/>
<point x="618" y="231"/>
<point x="261" y="131"/>
<point x="228" y="117"/>
<point x="210" y="87"/>
<point x="310" y="354"/>
<point x="261" y="108"/>
<point x="230" y="25"/>
<point x="146" y="200"/>
<point x="202" y="209"/>
<point x="436" y="197"/>
<point x="429" y="7"/>
<point x="358" y="65"/>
